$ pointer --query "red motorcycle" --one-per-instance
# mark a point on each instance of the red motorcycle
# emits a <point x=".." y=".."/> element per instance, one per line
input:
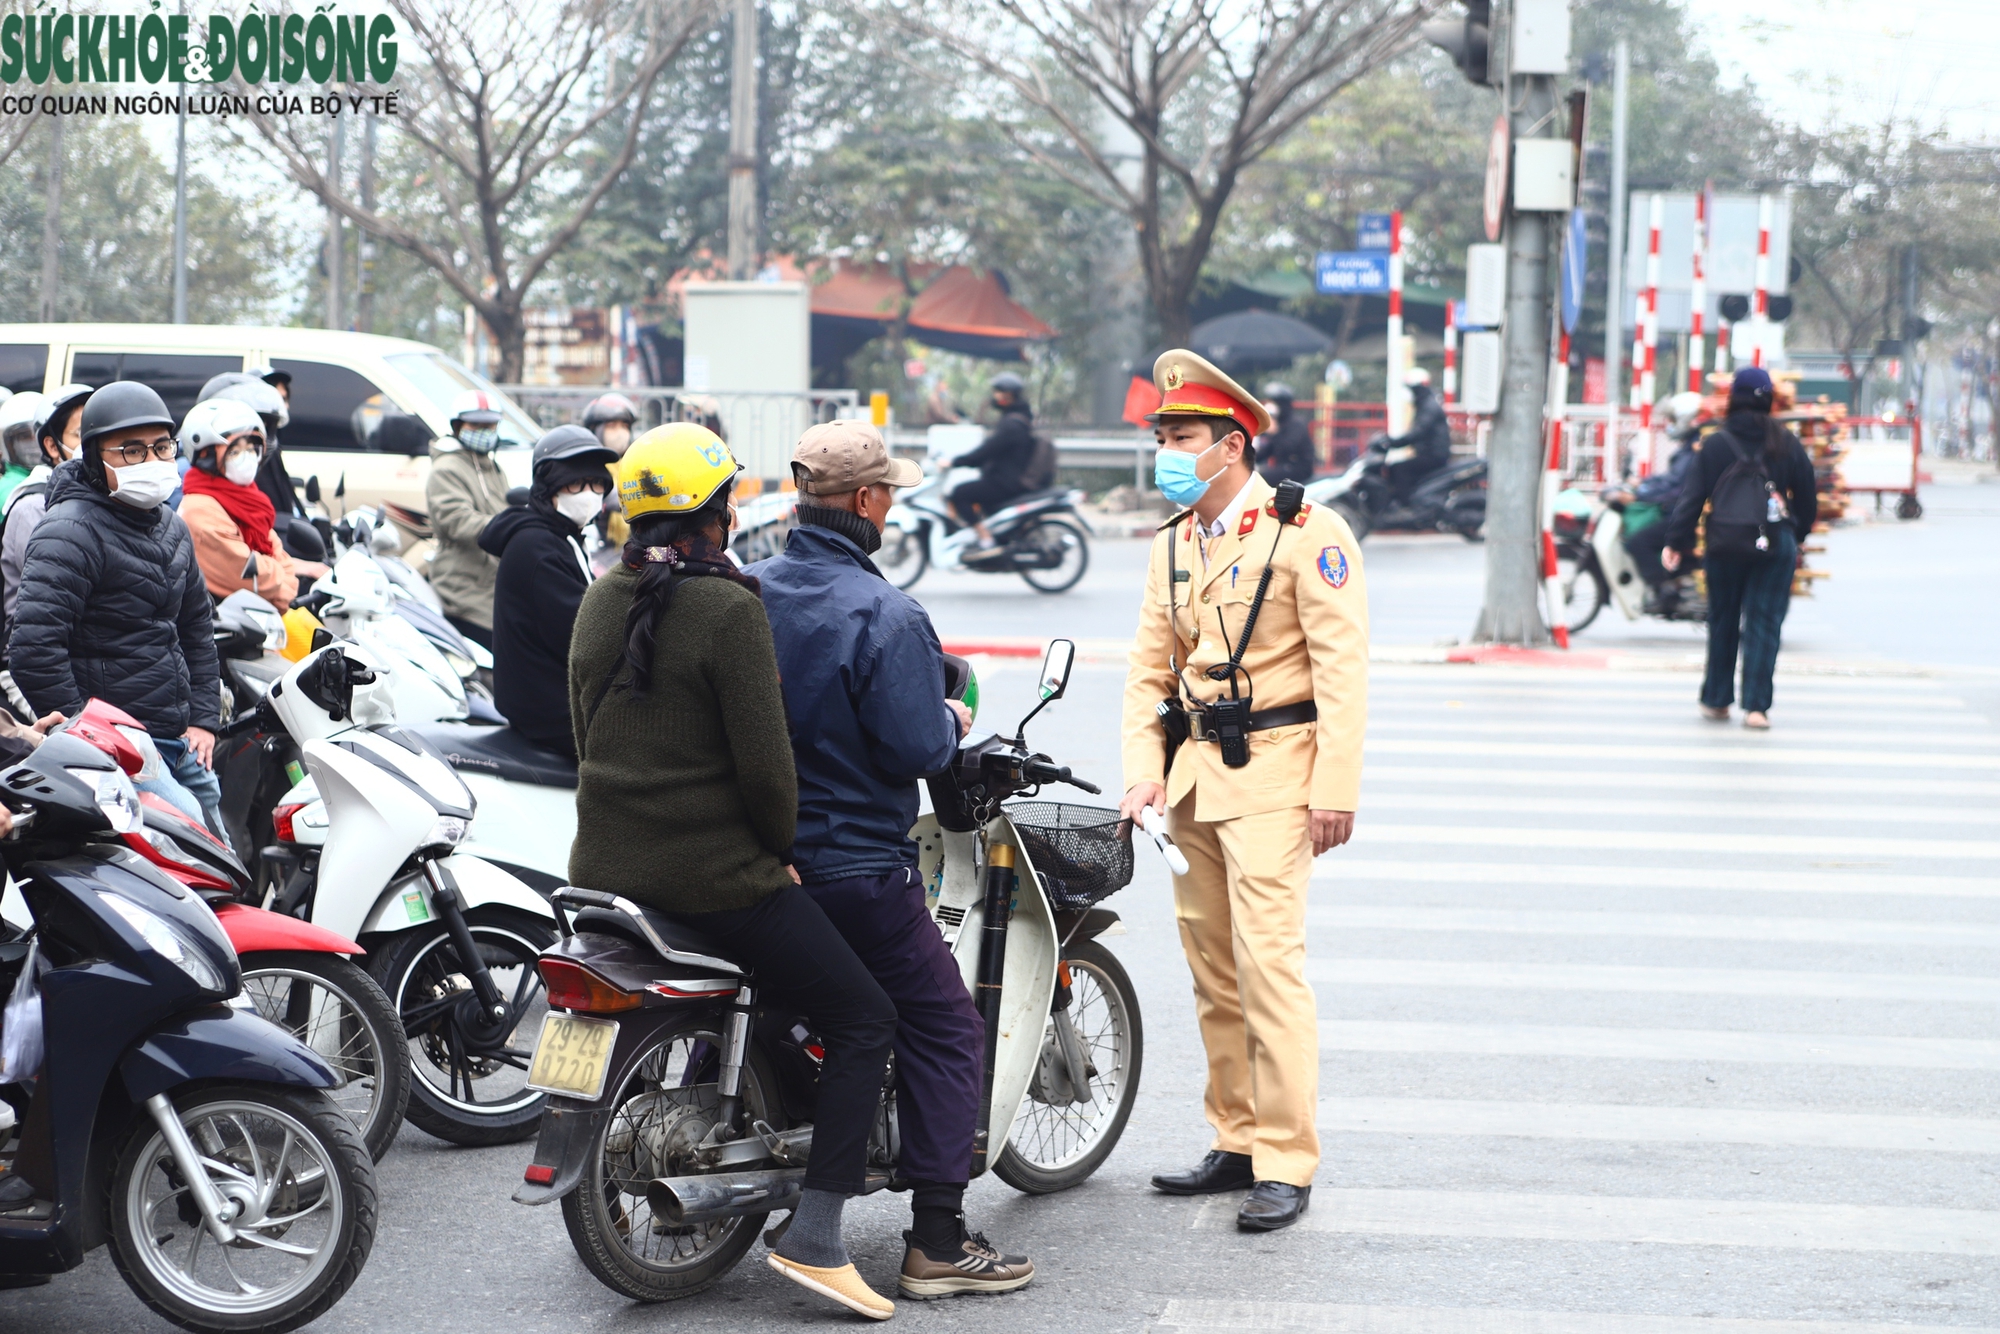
<point x="300" y="976"/>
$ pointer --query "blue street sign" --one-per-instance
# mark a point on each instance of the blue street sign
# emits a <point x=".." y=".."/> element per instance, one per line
<point x="1346" y="272"/>
<point x="1372" y="231"/>
<point x="1575" y="254"/>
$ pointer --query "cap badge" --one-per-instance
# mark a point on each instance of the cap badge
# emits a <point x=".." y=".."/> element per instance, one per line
<point x="1174" y="379"/>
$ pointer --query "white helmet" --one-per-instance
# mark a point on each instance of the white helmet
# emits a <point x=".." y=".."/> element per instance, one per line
<point x="1682" y="408"/>
<point x="1416" y="375"/>
<point x="215" y="421"/>
<point x="18" y="420"/>
<point x="267" y="401"/>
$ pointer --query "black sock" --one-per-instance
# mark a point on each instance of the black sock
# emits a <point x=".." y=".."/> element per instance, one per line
<point x="937" y="1216"/>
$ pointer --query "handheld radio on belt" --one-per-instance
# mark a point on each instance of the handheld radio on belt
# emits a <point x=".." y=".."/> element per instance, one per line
<point x="1228" y="722"/>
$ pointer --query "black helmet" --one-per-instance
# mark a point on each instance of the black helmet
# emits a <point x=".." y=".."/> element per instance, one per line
<point x="606" y="408"/>
<point x="1010" y="383"/>
<point x="1277" y="391"/>
<point x="570" y="444"/>
<point x="122" y="404"/>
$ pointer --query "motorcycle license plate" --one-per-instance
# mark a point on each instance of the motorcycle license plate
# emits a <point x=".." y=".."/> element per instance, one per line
<point x="573" y="1055"/>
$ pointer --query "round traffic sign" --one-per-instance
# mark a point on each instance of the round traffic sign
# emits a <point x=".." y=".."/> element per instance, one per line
<point x="1496" y="178"/>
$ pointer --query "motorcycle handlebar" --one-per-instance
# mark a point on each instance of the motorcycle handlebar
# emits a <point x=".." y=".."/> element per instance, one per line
<point x="249" y="722"/>
<point x="1037" y="771"/>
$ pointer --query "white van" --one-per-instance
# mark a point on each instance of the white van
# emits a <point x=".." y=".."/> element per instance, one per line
<point x="341" y="383"/>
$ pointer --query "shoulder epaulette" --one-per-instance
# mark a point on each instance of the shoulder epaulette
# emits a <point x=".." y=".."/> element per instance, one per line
<point x="1298" y="520"/>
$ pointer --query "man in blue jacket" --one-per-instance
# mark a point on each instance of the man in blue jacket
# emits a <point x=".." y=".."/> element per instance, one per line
<point x="864" y="695"/>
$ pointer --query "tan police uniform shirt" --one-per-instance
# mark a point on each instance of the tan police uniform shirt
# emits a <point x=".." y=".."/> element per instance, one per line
<point x="1310" y="642"/>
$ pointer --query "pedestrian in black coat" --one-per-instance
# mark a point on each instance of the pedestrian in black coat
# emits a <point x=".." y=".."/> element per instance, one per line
<point x="1286" y="453"/>
<point x="544" y="573"/>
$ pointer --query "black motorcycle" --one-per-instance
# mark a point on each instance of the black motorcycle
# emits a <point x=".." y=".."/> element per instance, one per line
<point x="167" y="1119"/>
<point x="1451" y="500"/>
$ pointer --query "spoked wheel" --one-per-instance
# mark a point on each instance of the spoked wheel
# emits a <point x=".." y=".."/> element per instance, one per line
<point x="470" y="1075"/>
<point x="903" y="556"/>
<point x="1584" y="590"/>
<point x="1058" y="1139"/>
<point x="335" y="1008"/>
<point x="303" y="1189"/>
<point x="1061" y="553"/>
<point x="664" y="1109"/>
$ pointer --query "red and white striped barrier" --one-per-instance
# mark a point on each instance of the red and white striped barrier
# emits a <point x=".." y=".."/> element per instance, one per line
<point x="1761" y="312"/>
<point x="1698" y="295"/>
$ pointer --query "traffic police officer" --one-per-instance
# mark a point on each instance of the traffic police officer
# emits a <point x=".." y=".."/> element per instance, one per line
<point x="1267" y="778"/>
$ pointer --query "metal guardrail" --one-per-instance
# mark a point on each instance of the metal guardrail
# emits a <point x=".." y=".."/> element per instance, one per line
<point x="760" y="426"/>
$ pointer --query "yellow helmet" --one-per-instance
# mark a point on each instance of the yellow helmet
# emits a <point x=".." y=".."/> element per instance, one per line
<point x="674" y="469"/>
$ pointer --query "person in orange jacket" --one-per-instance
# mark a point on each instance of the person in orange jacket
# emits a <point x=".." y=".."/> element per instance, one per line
<point x="232" y="522"/>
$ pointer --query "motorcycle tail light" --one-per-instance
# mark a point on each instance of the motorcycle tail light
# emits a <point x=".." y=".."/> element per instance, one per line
<point x="571" y="986"/>
<point x="281" y="821"/>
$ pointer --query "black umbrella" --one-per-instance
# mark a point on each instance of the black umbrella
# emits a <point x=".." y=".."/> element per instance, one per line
<point x="1248" y="340"/>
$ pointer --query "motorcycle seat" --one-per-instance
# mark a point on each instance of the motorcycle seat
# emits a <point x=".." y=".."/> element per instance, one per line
<point x="499" y="752"/>
<point x="680" y="938"/>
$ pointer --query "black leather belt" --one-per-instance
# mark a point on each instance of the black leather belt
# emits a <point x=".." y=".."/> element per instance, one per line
<point x="1261" y="720"/>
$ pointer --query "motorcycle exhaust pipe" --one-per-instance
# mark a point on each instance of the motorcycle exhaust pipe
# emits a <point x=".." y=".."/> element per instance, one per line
<point x="688" y="1201"/>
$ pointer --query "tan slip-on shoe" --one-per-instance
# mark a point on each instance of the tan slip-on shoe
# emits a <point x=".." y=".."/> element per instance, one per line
<point x="1715" y="715"/>
<point x="975" y="1267"/>
<point x="843" y="1285"/>
<point x="1757" y="722"/>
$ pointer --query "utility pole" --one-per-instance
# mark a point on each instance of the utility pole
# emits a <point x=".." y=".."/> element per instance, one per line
<point x="743" y="145"/>
<point x="1614" y="256"/>
<point x="334" y="238"/>
<point x="364" y="305"/>
<point x="52" y="221"/>
<point x="181" y="204"/>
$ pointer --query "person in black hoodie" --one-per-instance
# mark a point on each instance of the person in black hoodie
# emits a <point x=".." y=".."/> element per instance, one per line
<point x="544" y="573"/>
<point x="113" y="604"/>
<point x="1286" y="453"/>
<point x="1001" y="458"/>
<point x="1750" y="591"/>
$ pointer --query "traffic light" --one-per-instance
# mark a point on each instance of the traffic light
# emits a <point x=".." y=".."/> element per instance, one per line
<point x="1468" y="41"/>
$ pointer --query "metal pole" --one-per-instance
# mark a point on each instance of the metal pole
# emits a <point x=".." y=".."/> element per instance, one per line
<point x="1614" y="278"/>
<point x="52" y="222"/>
<point x="365" y="303"/>
<point x="333" y="233"/>
<point x="181" y="212"/>
<point x="743" y="144"/>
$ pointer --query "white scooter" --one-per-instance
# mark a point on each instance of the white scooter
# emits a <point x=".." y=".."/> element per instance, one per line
<point x="451" y="938"/>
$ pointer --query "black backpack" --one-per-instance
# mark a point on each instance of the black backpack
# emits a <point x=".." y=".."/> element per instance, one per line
<point x="1744" y="505"/>
<point x="1039" y="473"/>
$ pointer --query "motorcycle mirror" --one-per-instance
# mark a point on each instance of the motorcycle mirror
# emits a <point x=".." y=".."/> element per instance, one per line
<point x="1049" y="687"/>
<point x="312" y="489"/>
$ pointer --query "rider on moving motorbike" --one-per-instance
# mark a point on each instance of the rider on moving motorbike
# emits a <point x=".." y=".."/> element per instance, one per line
<point x="1426" y="447"/>
<point x="1001" y="458"/>
<point x="687" y="802"/>
<point x="864" y="690"/>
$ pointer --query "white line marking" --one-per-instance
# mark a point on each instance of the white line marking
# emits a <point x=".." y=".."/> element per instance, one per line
<point x="1464" y="1213"/>
<point x="1569" y="780"/>
<point x="1199" y="1317"/>
<point x="1345" y="869"/>
<point x="1781" y="1126"/>
<point x="1718" y="754"/>
<point x="1507" y="976"/>
<point x="1670" y="840"/>
<point x="1657" y="1044"/>
<point x="1679" y="694"/>
<point x="1671" y="926"/>
<point x="1576" y="803"/>
<point x="1563" y="725"/>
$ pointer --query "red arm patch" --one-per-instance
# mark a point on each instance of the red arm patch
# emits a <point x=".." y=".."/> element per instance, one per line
<point x="1298" y="520"/>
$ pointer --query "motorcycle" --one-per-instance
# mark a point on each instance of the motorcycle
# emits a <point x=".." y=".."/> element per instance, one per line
<point x="1593" y="568"/>
<point x="1039" y="536"/>
<point x="680" y="1112"/>
<point x="166" y="1118"/>
<point x="451" y="939"/>
<point x="300" y="976"/>
<point x="1452" y="499"/>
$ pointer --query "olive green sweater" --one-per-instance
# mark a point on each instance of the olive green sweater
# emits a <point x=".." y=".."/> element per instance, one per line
<point x="686" y="799"/>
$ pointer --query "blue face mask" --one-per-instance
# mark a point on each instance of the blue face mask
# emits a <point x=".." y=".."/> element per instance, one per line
<point x="1174" y="474"/>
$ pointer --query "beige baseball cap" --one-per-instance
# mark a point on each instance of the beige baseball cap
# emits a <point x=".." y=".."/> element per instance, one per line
<point x="834" y="458"/>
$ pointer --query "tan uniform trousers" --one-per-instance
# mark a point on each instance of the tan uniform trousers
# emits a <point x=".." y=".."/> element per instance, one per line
<point x="1242" y="914"/>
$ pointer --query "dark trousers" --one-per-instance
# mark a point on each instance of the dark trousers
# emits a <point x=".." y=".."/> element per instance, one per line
<point x="800" y="961"/>
<point x="1644" y="547"/>
<point x="982" y="495"/>
<point x="472" y="630"/>
<point x="940" y="1040"/>
<point x="1748" y="597"/>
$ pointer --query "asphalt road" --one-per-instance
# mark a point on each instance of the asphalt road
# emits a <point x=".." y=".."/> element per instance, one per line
<point x="1630" y="1024"/>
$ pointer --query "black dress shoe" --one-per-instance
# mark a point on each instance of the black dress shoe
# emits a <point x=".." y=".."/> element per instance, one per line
<point x="1272" y="1205"/>
<point x="1215" y="1173"/>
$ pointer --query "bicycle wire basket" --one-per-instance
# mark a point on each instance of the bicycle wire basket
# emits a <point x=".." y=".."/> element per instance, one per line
<point x="1082" y="853"/>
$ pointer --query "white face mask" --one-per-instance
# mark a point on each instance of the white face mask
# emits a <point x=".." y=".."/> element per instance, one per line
<point x="241" y="468"/>
<point x="144" y="486"/>
<point x="581" y="508"/>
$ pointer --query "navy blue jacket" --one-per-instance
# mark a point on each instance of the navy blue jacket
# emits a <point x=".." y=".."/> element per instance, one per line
<point x="864" y="696"/>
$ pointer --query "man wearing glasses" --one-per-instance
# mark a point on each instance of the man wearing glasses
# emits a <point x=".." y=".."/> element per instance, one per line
<point x="543" y="575"/>
<point x="113" y="605"/>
